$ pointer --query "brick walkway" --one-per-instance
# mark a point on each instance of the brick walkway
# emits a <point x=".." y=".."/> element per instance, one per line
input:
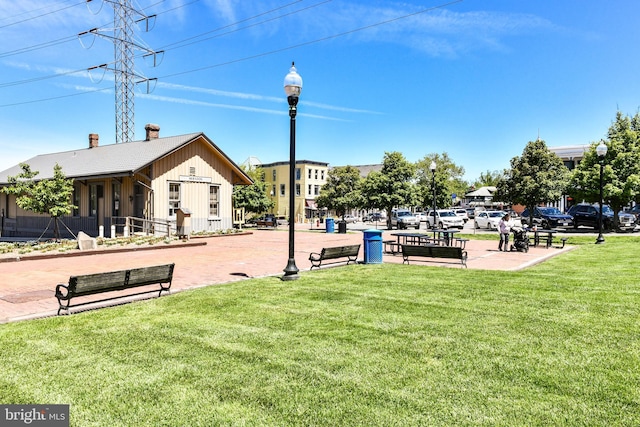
<point x="27" y="286"/>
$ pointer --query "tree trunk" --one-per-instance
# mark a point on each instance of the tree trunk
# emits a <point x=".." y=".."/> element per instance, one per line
<point x="56" y="229"/>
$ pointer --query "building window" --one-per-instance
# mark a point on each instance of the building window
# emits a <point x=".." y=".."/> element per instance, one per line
<point x="273" y="190"/>
<point x="298" y="174"/>
<point x="213" y="200"/>
<point x="282" y="189"/>
<point x="309" y="173"/>
<point x="309" y="192"/>
<point x="76" y="199"/>
<point x="297" y="189"/>
<point x="115" y="197"/>
<point x="174" y="198"/>
<point x="95" y="193"/>
<point x="273" y="174"/>
<point x="316" y="190"/>
<point x="316" y="174"/>
<point x="322" y="175"/>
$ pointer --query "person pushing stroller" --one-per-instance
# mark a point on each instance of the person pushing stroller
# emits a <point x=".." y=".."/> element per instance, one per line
<point x="504" y="228"/>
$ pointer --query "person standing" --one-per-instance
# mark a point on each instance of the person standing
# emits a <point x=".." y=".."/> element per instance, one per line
<point x="504" y="228"/>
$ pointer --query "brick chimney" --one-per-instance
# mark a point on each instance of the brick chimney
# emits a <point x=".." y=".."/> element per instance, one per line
<point x="153" y="131"/>
<point x="93" y="140"/>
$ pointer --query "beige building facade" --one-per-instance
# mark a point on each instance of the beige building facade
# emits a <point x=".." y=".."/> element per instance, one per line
<point x="146" y="182"/>
<point x="310" y="176"/>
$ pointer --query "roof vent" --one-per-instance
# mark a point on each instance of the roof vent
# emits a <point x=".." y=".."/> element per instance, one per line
<point x="153" y="131"/>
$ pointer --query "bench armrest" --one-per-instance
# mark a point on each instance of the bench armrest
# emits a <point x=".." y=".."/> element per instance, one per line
<point x="315" y="256"/>
<point x="62" y="291"/>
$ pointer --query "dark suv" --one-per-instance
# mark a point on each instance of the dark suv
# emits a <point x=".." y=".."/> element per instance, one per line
<point x="589" y="215"/>
<point x="548" y="217"/>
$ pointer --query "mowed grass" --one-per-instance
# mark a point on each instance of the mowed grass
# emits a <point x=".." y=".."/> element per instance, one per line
<point x="379" y="345"/>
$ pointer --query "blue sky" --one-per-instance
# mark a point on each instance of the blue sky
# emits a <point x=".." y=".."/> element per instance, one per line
<point x="476" y="79"/>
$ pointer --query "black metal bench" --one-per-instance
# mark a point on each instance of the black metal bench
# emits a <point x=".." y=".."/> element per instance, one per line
<point x="97" y="283"/>
<point x="433" y="251"/>
<point x="350" y="252"/>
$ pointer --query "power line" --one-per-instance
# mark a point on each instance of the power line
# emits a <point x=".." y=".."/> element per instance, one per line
<point x="38" y="16"/>
<point x="239" y="22"/>
<point x="295" y="46"/>
<point x="54" y="98"/>
<point x="388" y="21"/>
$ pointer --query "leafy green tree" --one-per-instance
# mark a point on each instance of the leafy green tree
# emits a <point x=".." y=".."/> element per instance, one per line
<point x="253" y="198"/>
<point x="621" y="171"/>
<point x="488" y="179"/>
<point x="392" y="186"/>
<point x="341" y="192"/>
<point x="46" y="196"/>
<point x="536" y="177"/>
<point x="448" y="180"/>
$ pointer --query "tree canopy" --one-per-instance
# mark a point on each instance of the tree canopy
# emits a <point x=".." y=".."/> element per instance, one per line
<point x="448" y="180"/>
<point x="46" y="196"/>
<point x="621" y="167"/>
<point x="342" y="191"/>
<point x="392" y="186"/>
<point x="253" y="198"/>
<point x="538" y="176"/>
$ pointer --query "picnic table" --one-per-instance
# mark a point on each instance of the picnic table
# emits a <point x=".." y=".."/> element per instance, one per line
<point x="545" y="235"/>
<point x="406" y="239"/>
<point x="444" y="235"/>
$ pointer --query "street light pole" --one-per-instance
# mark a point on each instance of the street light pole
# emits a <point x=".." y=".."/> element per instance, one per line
<point x="433" y="183"/>
<point x="292" y="88"/>
<point x="601" y="151"/>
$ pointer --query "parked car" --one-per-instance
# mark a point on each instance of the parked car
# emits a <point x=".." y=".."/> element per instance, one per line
<point x="489" y="219"/>
<point x="444" y="218"/>
<point x="471" y="213"/>
<point x="402" y="219"/>
<point x="635" y="211"/>
<point x="421" y="216"/>
<point x="462" y="213"/>
<point x="589" y="215"/>
<point x="350" y="219"/>
<point x="268" y="220"/>
<point x="375" y="217"/>
<point x="548" y="217"/>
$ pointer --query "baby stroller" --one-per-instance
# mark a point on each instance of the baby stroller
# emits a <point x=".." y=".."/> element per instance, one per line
<point x="520" y="239"/>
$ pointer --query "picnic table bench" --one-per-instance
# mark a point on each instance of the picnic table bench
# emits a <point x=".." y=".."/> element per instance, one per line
<point x="433" y="251"/>
<point x="335" y="253"/>
<point x="97" y="283"/>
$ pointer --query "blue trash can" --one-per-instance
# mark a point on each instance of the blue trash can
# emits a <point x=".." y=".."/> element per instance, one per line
<point x="330" y="227"/>
<point x="373" y="246"/>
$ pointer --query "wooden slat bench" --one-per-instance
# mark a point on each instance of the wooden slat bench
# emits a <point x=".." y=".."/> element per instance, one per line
<point x="97" y="283"/>
<point x="433" y="251"/>
<point x="335" y="253"/>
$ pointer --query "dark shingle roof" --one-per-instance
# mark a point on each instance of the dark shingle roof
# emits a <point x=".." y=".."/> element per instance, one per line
<point x="109" y="160"/>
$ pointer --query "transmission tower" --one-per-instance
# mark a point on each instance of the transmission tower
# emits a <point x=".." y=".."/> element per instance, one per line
<point x="124" y="54"/>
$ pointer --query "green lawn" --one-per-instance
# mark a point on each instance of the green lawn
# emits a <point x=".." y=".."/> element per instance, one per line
<point x="557" y="344"/>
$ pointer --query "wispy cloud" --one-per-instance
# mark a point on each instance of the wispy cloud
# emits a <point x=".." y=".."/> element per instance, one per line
<point x="232" y="107"/>
<point x="197" y="103"/>
<point x="255" y="97"/>
<point x="217" y="92"/>
<point x="434" y="31"/>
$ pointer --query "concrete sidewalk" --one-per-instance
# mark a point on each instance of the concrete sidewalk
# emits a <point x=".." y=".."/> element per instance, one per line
<point x="27" y="287"/>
